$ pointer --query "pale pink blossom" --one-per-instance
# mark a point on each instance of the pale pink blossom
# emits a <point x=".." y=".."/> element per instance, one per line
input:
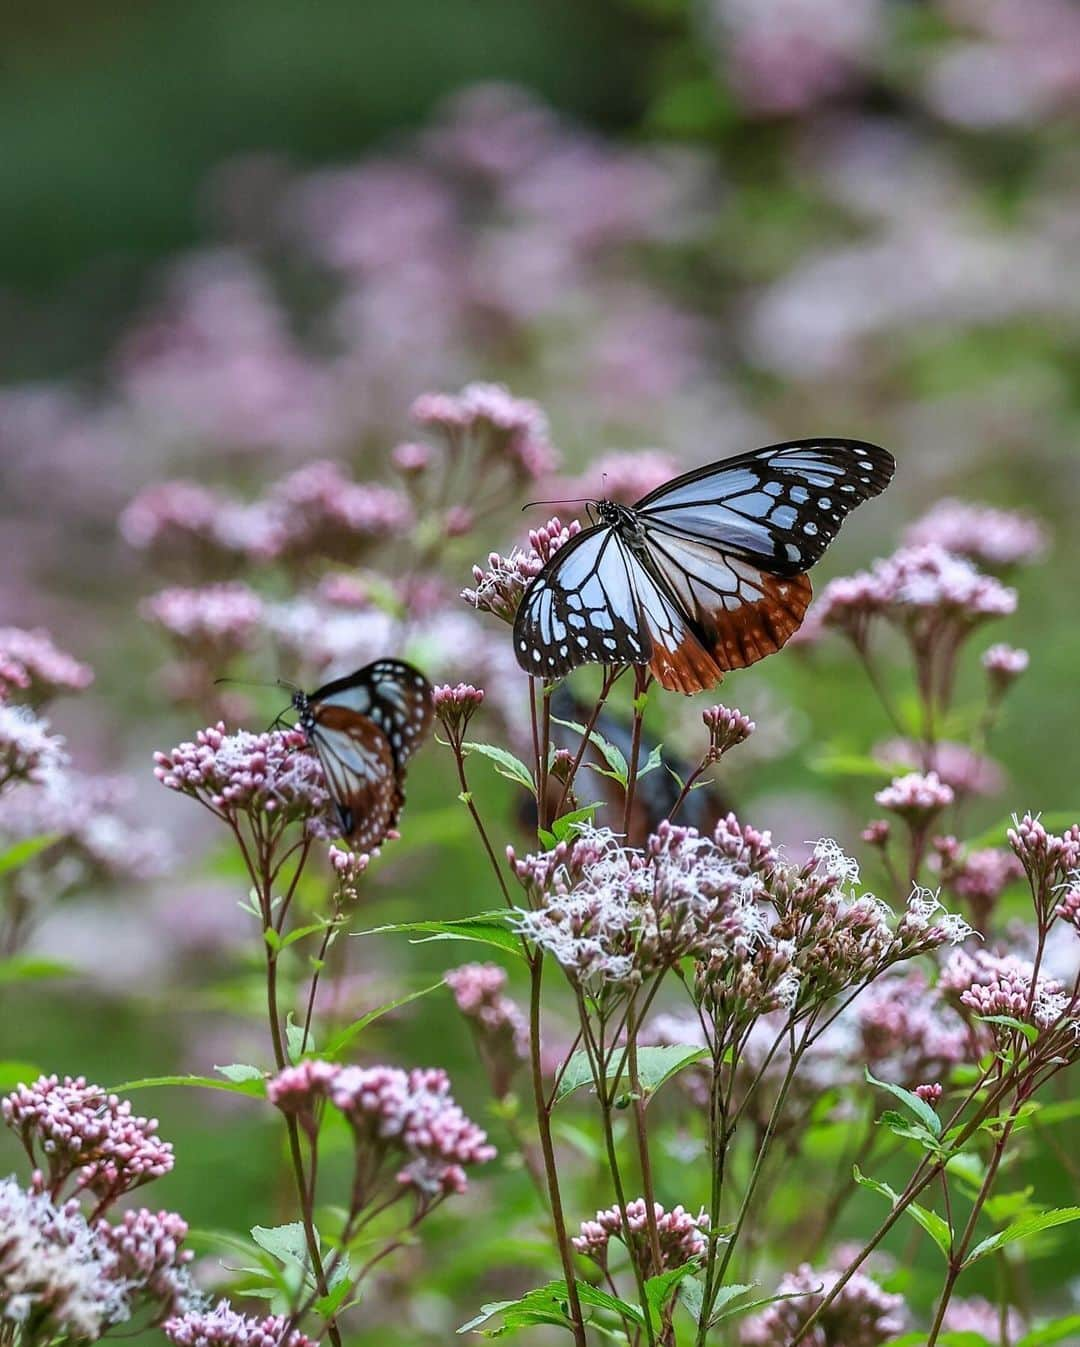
<point x="985" y="535"/>
<point x="682" y="1236"/>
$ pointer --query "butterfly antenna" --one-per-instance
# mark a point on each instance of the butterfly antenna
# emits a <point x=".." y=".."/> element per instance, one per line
<point x="576" y="500"/>
<point x="256" y="683"/>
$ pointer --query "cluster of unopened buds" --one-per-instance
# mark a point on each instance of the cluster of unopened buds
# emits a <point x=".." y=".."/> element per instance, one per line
<point x="456" y="706"/>
<point x="498" y="589"/>
<point x="408" y="1117"/>
<point x="681" y="1235"/>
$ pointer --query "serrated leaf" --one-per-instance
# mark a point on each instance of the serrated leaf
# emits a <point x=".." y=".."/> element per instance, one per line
<point x="730" y="1311"/>
<point x="659" y="1289"/>
<point x="344" y="1038"/>
<point x="22" y="853"/>
<point x="286" y="1243"/>
<point x="655" y="1066"/>
<point x="1029" y="1031"/>
<point x="238" y="1072"/>
<point x="487" y="928"/>
<point x="1022" y="1229"/>
<point x="934" y="1225"/>
<point x="506" y="764"/>
<point x="919" y="1107"/>
<point x="249" y="1087"/>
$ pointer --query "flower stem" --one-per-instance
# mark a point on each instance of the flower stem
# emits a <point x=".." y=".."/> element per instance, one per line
<point x="551" y="1171"/>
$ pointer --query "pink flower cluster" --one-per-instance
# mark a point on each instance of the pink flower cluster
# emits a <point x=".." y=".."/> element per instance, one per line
<point x="502" y="1031"/>
<point x="917" y="797"/>
<point x="319" y="511"/>
<point x="34" y="668"/>
<point x="907" y="1033"/>
<point x="316" y="511"/>
<point x="224" y="1327"/>
<point x="499" y="589"/>
<point x="862" y="1314"/>
<point x="1049" y="860"/>
<point x="28" y="751"/>
<point x="624" y="477"/>
<point x="409" y="1115"/>
<point x="54" y="1265"/>
<point x="682" y="1236"/>
<point x="507" y="429"/>
<point x="146" y="1246"/>
<point x="992" y="984"/>
<point x="958" y="767"/>
<point x="978" y="877"/>
<point x="981" y="1317"/>
<point x="1004" y="664"/>
<point x="727" y="728"/>
<point x="990" y="537"/>
<point x="234" y="774"/>
<point x="214" y="621"/>
<point x="456" y="706"/>
<point x="914" y="585"/>
<point x="69" y="1126"/>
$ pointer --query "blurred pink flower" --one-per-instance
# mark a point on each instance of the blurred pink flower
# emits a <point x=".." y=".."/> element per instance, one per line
<point x="34" y="669"/>
<point x="507" y="429"/>
<point x="28" y="751"/>
<point x="214" y="622"/>
<point x="620" y="476"/>
<point x="988" y="536"/>
<point x="861" y="1315"/>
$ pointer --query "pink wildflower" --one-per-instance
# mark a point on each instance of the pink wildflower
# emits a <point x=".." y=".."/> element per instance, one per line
<point x="508" y="430"/>
<point x="987" y="536"/>
<point x="499" y="589"/>
<point x="224" y="1327"/>
<point x="916" y="797"/>
<point x="28" y="752"/>
<point x="213" y="622"/>
<point x="149" y="1256"/>
<point x="861" y="1315"/>
<point x="32" y="665"/>
<point x="273" y="773"/>
<point x="682" y="1236"/>
<point x="456" y="706"/>
<point x="502" y="1031"/>
<point x="71" y="1126"/>
<point x="727" y="728"/>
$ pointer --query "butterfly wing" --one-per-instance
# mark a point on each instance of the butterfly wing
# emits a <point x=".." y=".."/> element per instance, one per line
<point x="392" y="693"/>
<point x="716" y="580"/>
<point x="582" y="608"/>
<point x="360" y="771"/>
<point x="777" y="508"/>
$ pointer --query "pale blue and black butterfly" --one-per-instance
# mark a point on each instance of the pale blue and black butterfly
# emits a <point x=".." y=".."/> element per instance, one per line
<point x="365" y="727"/>
<point x="704" y="574"/>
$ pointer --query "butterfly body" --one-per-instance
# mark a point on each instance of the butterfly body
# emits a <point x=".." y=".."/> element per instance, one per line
<point x="704" y="574"/>
<point x="365" y="727"/>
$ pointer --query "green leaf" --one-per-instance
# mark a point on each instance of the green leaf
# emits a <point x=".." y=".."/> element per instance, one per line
<point x="21" y="853"/>
<point x="250" y="1087"/>
<point x="934" y="1225"/>
<point x="341" y="1040"/>
<point x="1049" y="1334"/>
<point x="615" y="760"/>
<point x="239" y="1072"/>
<point x="286" y="1243"/>
<point x="297" y="1040"/>
<point x="562" y="828"/>
<point x="652" y="762"/>
<point x="14" y="1073"/>
<point x="655" y="1066"/>
<point x="506" y="764"/>
<point x="911" y="1101"/>
<point x="32" y="968"/>
<point x="730" y="1311"/>
<point x="725" y="1295"/>
<point x="1029" y="1031"/>
<point x="658" y="1290"/>
<point x="302" y="932"/>
<point x="692" y="1296"/>
<point x="487" y="928"/>
<point x="547" y="1305"/>
<point x="911" y="1131"/>
<point x="1022" y="1229"/>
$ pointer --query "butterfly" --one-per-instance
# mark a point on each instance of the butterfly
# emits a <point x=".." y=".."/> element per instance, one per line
<point x="704" y="574"/>
<point x="365" y="727"/>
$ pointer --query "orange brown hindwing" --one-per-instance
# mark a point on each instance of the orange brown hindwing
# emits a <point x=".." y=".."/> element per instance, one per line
<point x="736" y="637"/>
<point x="368" y="805"/>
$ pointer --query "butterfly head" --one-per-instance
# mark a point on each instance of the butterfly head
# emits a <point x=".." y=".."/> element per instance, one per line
<point x="622" y="518"/>
<point x="301" y="704"/>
